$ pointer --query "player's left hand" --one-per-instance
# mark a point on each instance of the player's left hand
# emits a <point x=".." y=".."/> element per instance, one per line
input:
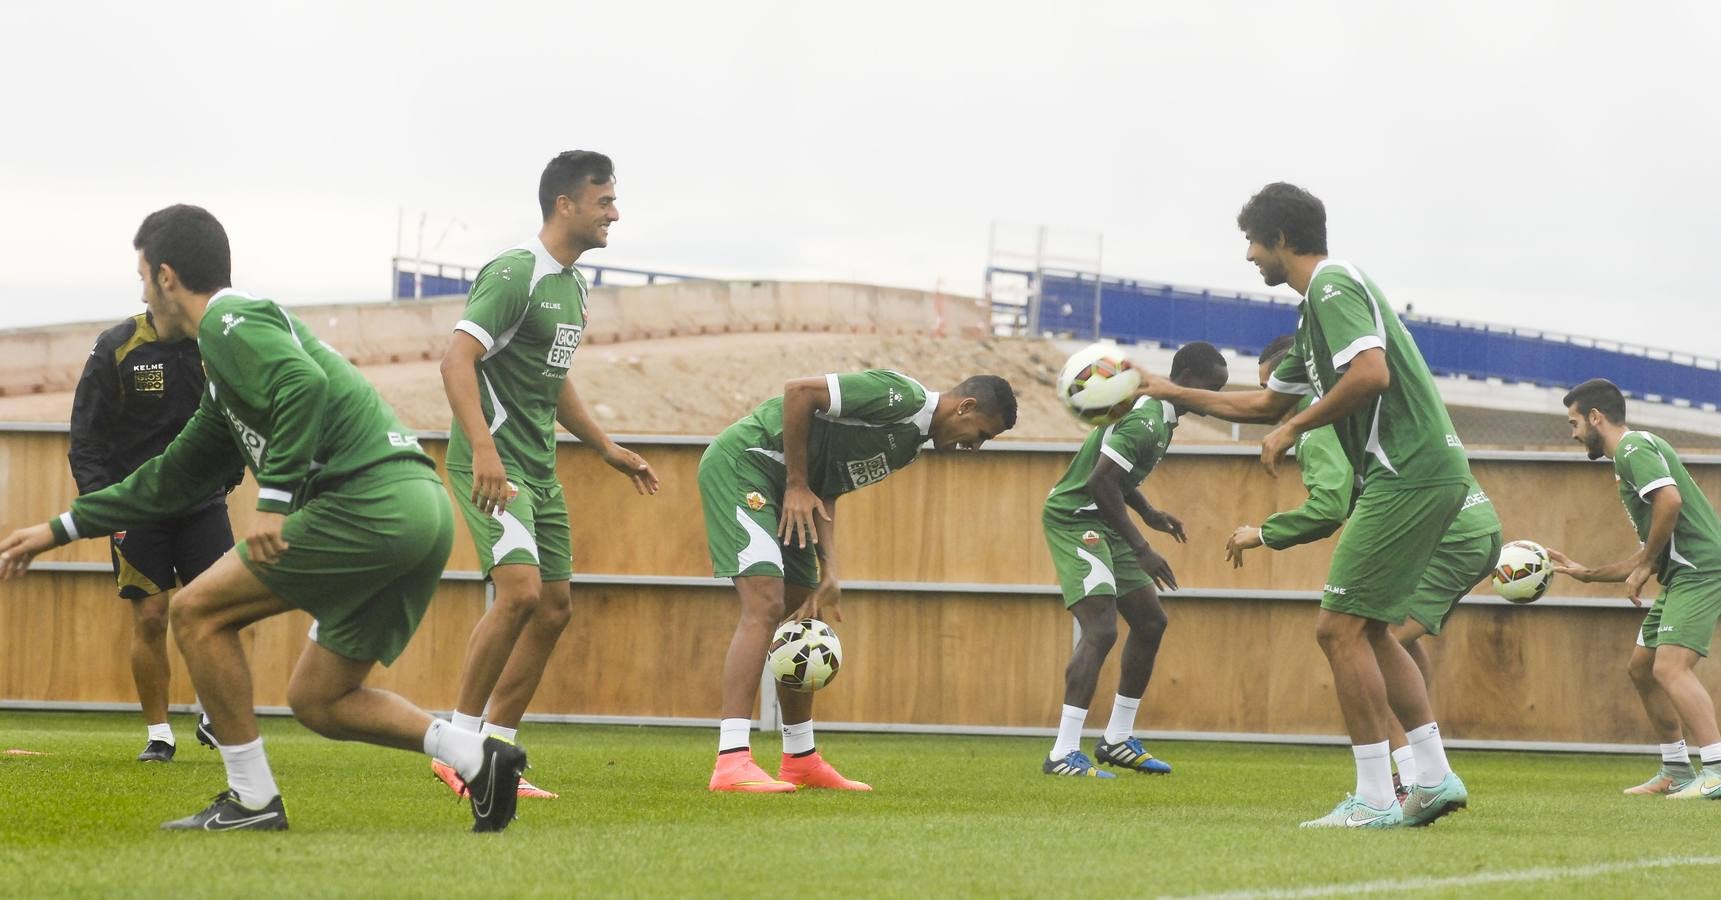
<point x="633" y="466"/>
<point x="823" y="598"/>
<point x="1635" y="581"/>
<point x="1167" y="523"/>
<point x="265" y="542"/>
<point x="1246" y="537"/>
<point x="21" y="546"/>
<point x="1275" y="445"/>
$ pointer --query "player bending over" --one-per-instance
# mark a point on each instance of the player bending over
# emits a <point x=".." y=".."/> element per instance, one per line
<point x="1466" y="555"/>
<point x="352" y="526"/>
<point x="1682" y="548"/>
<point x="769" y="485"/>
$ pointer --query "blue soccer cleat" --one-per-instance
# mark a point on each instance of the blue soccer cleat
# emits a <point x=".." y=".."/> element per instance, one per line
<point x="1130" y="754"/>
<point x="1074" y="763"/>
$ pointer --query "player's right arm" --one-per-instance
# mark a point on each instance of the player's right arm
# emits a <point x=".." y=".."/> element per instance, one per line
<point x="1105" y="486"/>
<point x="1258" y="406"/>
<point x="93" y="408"/>
<point x="498" y="301"/>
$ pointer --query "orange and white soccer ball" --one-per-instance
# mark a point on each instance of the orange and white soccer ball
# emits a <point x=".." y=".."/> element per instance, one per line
<point x="1097" y="384"/>
<point x="1523" y="571"/>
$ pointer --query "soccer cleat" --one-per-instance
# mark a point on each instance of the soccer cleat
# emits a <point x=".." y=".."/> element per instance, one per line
<point x="528" y="789"/>
<point x="1425" y="804"/>
<point x="495" y="790"/>
<point x="449" y="777"/>
<point x="1074" y="763"/>
<point x="1667" y="780"/>
<point x="205" y="734"/>
<point x="1129" y="754"/>
<point x="1353" y="813"/>
<point x="226" y="813"/>
<point x="1705" y="786"/>
<point x="738" y="772"/>
<point x="156" y="751"/>
<point x="811" y="771"/>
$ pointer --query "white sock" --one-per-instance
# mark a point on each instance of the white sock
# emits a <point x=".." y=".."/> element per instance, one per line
<point x="462" y="749"/>
<point x="1675" y="754"/>
<point x="1710" y="754"/>
<point x="732" y="734"/>
<point x="1374" y="774"/>
<point x="491" y="729"/>
<point x="1404" y="759"/>
<point x="467" y="723"/>
<point x="248" y="774"/>
<point x="1431" y="765"/>
<point x="1069" y="732"/>
<point x="1122" y="724"/>
<point x="161" y="731"/>
<point x="798" y="738"/>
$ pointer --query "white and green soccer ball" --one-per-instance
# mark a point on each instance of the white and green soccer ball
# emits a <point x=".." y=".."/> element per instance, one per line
<point x="1522" y="573"/>
<point x="1097" y="384"/>
<point x="805" y="655"/>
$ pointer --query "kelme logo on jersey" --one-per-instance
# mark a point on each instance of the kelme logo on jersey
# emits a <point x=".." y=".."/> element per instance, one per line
<point x="254" y="442"/>
<point x="567" y="340"/>
<point x="866" y="471"/>
<point x="149" y="378"/>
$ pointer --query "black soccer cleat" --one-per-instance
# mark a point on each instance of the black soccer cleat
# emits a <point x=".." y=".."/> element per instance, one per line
<point x="156" y="751"/>
<point x="495" y="790"/>
<point x="205" y="736"/>
<point x="226" y="813"/>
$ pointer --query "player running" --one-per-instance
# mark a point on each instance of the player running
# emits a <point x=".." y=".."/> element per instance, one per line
<point x="1682" y="548"/>
<point x="769" y="485"/>
<point x="506" y="374"/>
<point x="1372" y="385"/>
<point x="137" y="391"/>
<point x="1106" y="568"/>
<point x="1466" y="555"/>
<point x="352" y="526"/>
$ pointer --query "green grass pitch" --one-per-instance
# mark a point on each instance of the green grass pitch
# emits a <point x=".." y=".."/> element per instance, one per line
<point x="952" y="816"/>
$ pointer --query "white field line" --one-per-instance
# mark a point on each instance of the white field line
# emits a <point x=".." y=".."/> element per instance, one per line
<point x="1461" y="881"/>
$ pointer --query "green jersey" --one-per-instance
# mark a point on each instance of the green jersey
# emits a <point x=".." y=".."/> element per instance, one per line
<point x="529" y="312"/>
<point x="279" y="402"/>
<point x="1136" y="442"/>
<point x="1644" y="463"/>
<point x="876" y="424"/>
<point x="1331" y="483"/>
<point x="1404" y="439"/>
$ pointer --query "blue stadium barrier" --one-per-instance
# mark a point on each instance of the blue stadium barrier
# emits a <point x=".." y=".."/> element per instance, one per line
<point x="1133" y="312"/>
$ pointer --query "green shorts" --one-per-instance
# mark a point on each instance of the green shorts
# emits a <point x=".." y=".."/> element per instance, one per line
<point x="365" y="558"/>
<point x="1457" y="565"/>
<point x="1092" y="560"/>
<point x="531" y="531"/>
<point x="743" y="500"/>
<point x="1385" y="548"/>
<point x="1684" y="615"/>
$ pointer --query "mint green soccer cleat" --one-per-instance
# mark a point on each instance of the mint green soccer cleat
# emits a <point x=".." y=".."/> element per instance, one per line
<point x="1425" y="804"/>
<point x="1706" y="786"/>
<point x="1667" y="780"/>
<point x="1353" y="813"/>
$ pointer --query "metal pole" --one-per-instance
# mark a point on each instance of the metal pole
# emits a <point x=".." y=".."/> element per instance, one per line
<point x="1099" y="282"/>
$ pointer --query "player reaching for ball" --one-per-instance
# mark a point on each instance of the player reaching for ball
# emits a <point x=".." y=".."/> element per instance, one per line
<point x="1106" y="568"/>
<point x="506" y="374"/>
<point x="1466" y="555"/>
<point x="352" y="526"/>
<point x="769" y="485"/>
<point x="1372" y="386"/>
<point x="1681" y="547"/>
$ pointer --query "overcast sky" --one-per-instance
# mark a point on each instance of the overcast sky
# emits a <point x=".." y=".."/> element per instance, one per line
<point x="1547" y="164"/>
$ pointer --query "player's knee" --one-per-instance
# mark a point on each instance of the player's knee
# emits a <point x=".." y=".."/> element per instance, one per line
<point x="554" y="610"/>
<point x="1150" y="624"/>
<point x="517" y="602"/>
<point x="150" y="625"/>
<point x="186" y="617"/>
<point x="1099" y="635"/>
<point x="1669" y="668"/>
<point x="1335" y="633"/>
<point x="1642" y="670"/>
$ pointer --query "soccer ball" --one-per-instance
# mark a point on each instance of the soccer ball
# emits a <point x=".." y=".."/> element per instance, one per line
<point x="1098" y="383"/>
<point x="1522" y="573"/>
<point x="804" y="655"/>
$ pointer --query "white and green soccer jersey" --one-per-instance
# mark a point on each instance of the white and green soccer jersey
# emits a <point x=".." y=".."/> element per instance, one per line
<point x="1644" y="463"/>
<point x="529" y="312"/>
<point x="1404" y="439"/>
<point x="279" y="402"/>
<point x="876" y="424"/>
<point x="1136" y="442"/>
